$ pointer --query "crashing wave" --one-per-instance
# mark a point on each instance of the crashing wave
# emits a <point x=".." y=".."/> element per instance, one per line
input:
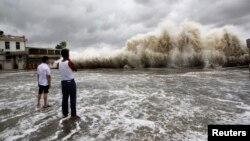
<point x="190" y="46"/>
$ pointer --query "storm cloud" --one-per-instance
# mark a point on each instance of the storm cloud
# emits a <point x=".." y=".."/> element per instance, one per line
<point x="95" y="23"/>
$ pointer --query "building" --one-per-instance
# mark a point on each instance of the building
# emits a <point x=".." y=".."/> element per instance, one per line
<point x="12" y="52"/>
<point x="15" y="55"/>
<point x="35" y="54"/>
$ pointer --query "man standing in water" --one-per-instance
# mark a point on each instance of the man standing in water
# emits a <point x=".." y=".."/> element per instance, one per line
<point x="44" y="80"/>
<point x="66" y="68"/>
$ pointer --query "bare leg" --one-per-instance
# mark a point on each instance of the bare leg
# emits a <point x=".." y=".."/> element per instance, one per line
<point x="45" y="100"/>
<point x="38" y="99"/>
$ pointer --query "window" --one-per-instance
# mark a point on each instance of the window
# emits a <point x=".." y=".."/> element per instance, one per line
<point x="57" y="52"/>
<point x="20" y="58"/>
<point x="7" y="45"/>
<point x="18" y="45"/>
<point x="8" y="57"/>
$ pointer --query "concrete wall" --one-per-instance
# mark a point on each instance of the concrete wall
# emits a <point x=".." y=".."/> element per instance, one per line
<point x="2" y="57"/>
<point x="12" y="46"/>
<point x="21" y="65"/>
<point x="2" y="46"/>
<point x="9" y="64"/>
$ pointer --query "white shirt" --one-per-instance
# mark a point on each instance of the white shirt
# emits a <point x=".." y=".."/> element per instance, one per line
<point x="43" y="70"/>
<point x="65" y="71"/>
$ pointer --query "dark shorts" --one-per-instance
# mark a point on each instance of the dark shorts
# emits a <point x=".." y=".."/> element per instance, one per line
<point x="43" y="89"/>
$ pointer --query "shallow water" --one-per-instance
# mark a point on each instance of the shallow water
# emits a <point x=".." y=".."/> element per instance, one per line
<point x="147" y="104"/>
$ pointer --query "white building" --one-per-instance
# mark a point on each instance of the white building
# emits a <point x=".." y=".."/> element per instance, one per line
<point x="13" y="52"/>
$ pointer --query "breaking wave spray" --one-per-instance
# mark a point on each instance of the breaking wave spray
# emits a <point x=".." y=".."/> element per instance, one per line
<point x="190" y="45"/>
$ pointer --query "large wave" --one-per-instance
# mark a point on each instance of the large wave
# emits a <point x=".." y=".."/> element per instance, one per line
<point x="190" y="45"/>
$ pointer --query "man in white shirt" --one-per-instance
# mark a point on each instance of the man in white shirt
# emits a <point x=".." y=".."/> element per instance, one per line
<point x="44" y="80"/>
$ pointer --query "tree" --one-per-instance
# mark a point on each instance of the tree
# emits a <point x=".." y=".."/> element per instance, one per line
<point x="61" y="45"/>
<point x="1" y="32"/>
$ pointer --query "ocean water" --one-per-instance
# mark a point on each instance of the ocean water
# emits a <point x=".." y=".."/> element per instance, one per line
<point x="127" y="105"/>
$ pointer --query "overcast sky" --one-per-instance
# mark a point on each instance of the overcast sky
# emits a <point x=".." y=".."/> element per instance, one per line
<point x="97" y="23"/>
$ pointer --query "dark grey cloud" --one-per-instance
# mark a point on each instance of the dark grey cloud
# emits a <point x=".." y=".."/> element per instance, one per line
<point x="90" y="23"/>
<point x="217" y="12"/>
<point x="221" y="13"/>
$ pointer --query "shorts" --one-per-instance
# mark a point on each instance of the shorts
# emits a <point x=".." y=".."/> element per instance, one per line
<point x="43" y="89"/>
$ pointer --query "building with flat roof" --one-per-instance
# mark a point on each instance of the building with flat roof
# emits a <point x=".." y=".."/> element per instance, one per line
<point x="12" y="52"/>
<point x="15" y="55"/>
<point x="35" y="54"/>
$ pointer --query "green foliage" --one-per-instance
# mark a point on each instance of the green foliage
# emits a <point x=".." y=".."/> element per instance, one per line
<point x="61" y="45"/>
<point x="1" y="32"/>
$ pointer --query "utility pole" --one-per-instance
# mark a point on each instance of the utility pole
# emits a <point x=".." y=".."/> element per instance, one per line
<point x="248" y="46"/>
